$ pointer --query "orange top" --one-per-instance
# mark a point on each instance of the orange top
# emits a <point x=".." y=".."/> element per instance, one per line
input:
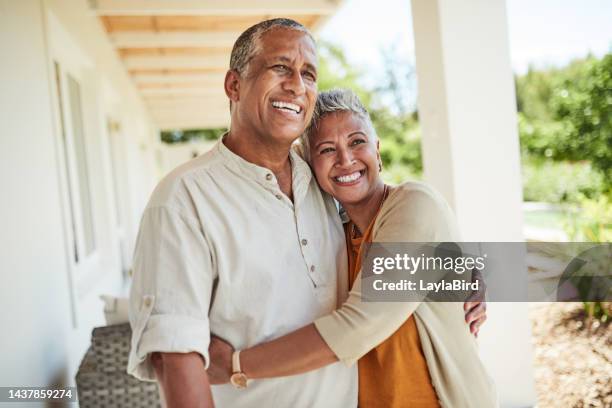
<point x="394" y="374"/>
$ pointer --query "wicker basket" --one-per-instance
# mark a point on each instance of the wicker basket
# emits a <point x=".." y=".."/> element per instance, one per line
<point x="102" y="380"/>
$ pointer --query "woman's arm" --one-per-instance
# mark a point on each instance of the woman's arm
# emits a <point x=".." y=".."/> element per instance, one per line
<point x="356" y="327"/>
<point x="295" y="353"/>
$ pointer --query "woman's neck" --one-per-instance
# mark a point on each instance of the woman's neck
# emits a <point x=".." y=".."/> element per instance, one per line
<point x="363" y="212"/>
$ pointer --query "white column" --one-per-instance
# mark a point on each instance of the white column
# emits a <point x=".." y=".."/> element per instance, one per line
<point x="471" y="154"/>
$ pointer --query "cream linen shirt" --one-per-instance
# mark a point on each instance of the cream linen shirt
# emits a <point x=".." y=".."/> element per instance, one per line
<point x="222" y="250"/>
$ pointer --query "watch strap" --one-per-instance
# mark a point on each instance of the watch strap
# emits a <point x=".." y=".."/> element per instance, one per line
<point x="236" y="362"/>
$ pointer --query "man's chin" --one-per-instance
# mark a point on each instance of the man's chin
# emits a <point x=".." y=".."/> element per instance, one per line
<point x="287" y="134"/>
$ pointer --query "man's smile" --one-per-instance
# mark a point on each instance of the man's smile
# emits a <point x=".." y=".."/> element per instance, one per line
<point x="287" y="107"/>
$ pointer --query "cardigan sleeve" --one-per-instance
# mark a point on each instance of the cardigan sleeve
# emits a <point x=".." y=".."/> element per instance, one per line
<point x="413" y="212"/>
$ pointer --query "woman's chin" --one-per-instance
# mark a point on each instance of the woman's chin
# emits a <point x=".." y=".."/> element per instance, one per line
<point x="348" y="199"/>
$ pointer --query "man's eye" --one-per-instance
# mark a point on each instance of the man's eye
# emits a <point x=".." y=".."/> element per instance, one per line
<point x="357" y="141"/>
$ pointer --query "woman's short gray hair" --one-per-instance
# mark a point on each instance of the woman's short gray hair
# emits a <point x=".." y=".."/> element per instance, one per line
<point x="248" y="45"/>
<point x="335" y="100"/>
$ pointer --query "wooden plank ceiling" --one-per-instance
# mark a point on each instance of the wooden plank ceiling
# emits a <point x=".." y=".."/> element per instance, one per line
<point x="177" y="51"/>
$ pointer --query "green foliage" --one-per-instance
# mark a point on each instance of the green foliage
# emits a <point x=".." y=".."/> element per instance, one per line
<point x="592" y="222"/>
<point x="180" y="136"/>
<point x="566" y="114"/>
<point x="560" y="182"/>
<point x="583" y="104"/>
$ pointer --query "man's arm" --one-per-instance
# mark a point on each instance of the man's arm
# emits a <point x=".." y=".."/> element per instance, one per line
<point x="183" y="380"/>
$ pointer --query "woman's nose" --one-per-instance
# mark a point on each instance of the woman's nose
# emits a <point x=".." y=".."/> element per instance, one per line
<point x="344" y="158"/>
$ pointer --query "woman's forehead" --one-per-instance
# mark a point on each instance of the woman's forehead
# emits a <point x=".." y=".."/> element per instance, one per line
<point x="341" y="124"/>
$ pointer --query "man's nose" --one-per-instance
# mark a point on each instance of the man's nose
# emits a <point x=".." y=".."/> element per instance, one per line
<point x="295" y="84"/>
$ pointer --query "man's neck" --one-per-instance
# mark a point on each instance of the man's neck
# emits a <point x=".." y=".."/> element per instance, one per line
<point x="255" y="150"/>
<point x="258" y="151"/>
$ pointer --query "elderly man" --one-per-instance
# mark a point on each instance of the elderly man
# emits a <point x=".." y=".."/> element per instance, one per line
<point x="241" y="242"/>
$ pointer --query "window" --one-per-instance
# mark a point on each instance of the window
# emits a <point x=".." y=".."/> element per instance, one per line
<point x="76" y="166"/>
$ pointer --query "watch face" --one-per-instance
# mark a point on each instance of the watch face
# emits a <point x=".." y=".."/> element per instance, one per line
<point x="239" y="380"/>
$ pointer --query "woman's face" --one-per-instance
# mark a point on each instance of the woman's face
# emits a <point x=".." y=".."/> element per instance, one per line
<point x="345" y="158"/>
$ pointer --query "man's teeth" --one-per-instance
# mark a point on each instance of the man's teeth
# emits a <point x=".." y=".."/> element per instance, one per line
<point x="349" y="178"/>
<point x="286" y="105"/>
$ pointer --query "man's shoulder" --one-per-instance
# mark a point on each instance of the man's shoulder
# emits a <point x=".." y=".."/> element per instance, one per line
<point x="177" y="186"/>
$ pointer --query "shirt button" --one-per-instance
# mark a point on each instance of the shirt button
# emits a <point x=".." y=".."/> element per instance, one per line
<point x="312" y="268"/>
<point x="268" y="176"/>
<point x="304" y="241"/>
<point x="279" y="196"/>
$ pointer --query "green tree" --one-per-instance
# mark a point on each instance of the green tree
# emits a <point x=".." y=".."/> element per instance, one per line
<point x="398" y="131"/>
<point x="565" y="116"/>
<point x="583" y="105"/>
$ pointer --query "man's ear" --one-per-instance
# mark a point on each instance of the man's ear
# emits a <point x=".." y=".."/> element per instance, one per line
<point x="232" y="85"/>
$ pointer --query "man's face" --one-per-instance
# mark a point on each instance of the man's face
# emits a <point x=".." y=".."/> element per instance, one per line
<point x="277" y="94"/>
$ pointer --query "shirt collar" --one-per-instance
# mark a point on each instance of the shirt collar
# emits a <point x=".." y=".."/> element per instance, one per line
<point x="300" y="171"/>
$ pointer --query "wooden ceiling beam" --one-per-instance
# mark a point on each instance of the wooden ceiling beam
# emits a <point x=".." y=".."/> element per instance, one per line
<point x="149" y="39"/>
<point x="162" y="62"/>
<point x="212" y="7"/>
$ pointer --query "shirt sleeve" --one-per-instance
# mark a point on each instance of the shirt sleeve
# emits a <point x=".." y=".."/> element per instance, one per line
<point x="171" y="289"/>
<point x="411" y="214"/>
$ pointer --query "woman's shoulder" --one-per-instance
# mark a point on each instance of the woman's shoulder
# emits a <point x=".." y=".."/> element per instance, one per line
<point x="414" y="211"/>
<point x="415" y="195"/>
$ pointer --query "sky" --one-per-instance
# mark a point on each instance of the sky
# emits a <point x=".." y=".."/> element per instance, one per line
<point x="541" y="32"/>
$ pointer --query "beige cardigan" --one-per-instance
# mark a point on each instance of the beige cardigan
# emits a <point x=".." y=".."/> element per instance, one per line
<point x="413" y="212"/>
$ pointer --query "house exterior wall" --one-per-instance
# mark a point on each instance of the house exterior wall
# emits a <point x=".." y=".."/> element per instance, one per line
<point x="48" y="302"/>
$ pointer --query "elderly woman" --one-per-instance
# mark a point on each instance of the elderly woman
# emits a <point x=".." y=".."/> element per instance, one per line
<point x="409" y="354"/>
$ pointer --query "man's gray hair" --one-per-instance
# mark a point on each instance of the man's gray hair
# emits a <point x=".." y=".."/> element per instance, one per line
<point x="335" y="100"/>
<point x="248" y="44"/>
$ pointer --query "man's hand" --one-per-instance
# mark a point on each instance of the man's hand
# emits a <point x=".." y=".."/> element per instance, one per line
<point x="475" y="306"/>
<point x="220" y="367"/>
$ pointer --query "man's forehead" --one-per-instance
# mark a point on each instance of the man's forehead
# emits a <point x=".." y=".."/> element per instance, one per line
<point x="286" y="40"/>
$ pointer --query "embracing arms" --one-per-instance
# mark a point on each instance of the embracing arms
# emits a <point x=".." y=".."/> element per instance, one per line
<point x="351" y="331"/>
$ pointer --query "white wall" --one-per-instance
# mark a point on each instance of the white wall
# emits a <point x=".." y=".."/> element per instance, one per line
<point x="171" y="156"/>
<point x="43" y="292"/>
<point x="34" y="298"/>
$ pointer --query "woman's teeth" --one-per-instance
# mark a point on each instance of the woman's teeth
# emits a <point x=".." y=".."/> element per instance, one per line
<point x="348" y="178"/>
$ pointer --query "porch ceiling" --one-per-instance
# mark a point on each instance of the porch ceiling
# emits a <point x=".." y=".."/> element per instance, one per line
<point x="177" y="51"/>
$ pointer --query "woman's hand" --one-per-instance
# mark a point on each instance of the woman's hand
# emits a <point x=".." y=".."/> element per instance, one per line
<point x="220" y="367"/>
<point x="476" y="307"/>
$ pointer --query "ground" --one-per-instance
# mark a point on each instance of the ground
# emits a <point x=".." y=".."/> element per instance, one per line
<point x="573" y="362"/>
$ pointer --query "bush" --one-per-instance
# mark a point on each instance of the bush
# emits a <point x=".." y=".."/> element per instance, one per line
<point x="593" y="223"/>
<point x="560" y="182"/>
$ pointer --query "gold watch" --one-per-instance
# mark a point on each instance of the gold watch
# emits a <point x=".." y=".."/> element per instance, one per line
<point x="238" y="378"/>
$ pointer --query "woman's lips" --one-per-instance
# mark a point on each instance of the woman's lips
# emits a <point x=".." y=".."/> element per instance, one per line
<point x="349" y="179"/>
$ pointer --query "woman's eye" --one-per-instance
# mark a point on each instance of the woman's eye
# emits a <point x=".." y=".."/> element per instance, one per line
<point x="310" y="76"/>
<point x="357" y="141"/>
<point x="281" y="68"/>
<point x="326" y="150"/>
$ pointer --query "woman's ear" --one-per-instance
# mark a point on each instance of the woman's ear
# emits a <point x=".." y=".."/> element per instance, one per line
<point x="232" y="85"/>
